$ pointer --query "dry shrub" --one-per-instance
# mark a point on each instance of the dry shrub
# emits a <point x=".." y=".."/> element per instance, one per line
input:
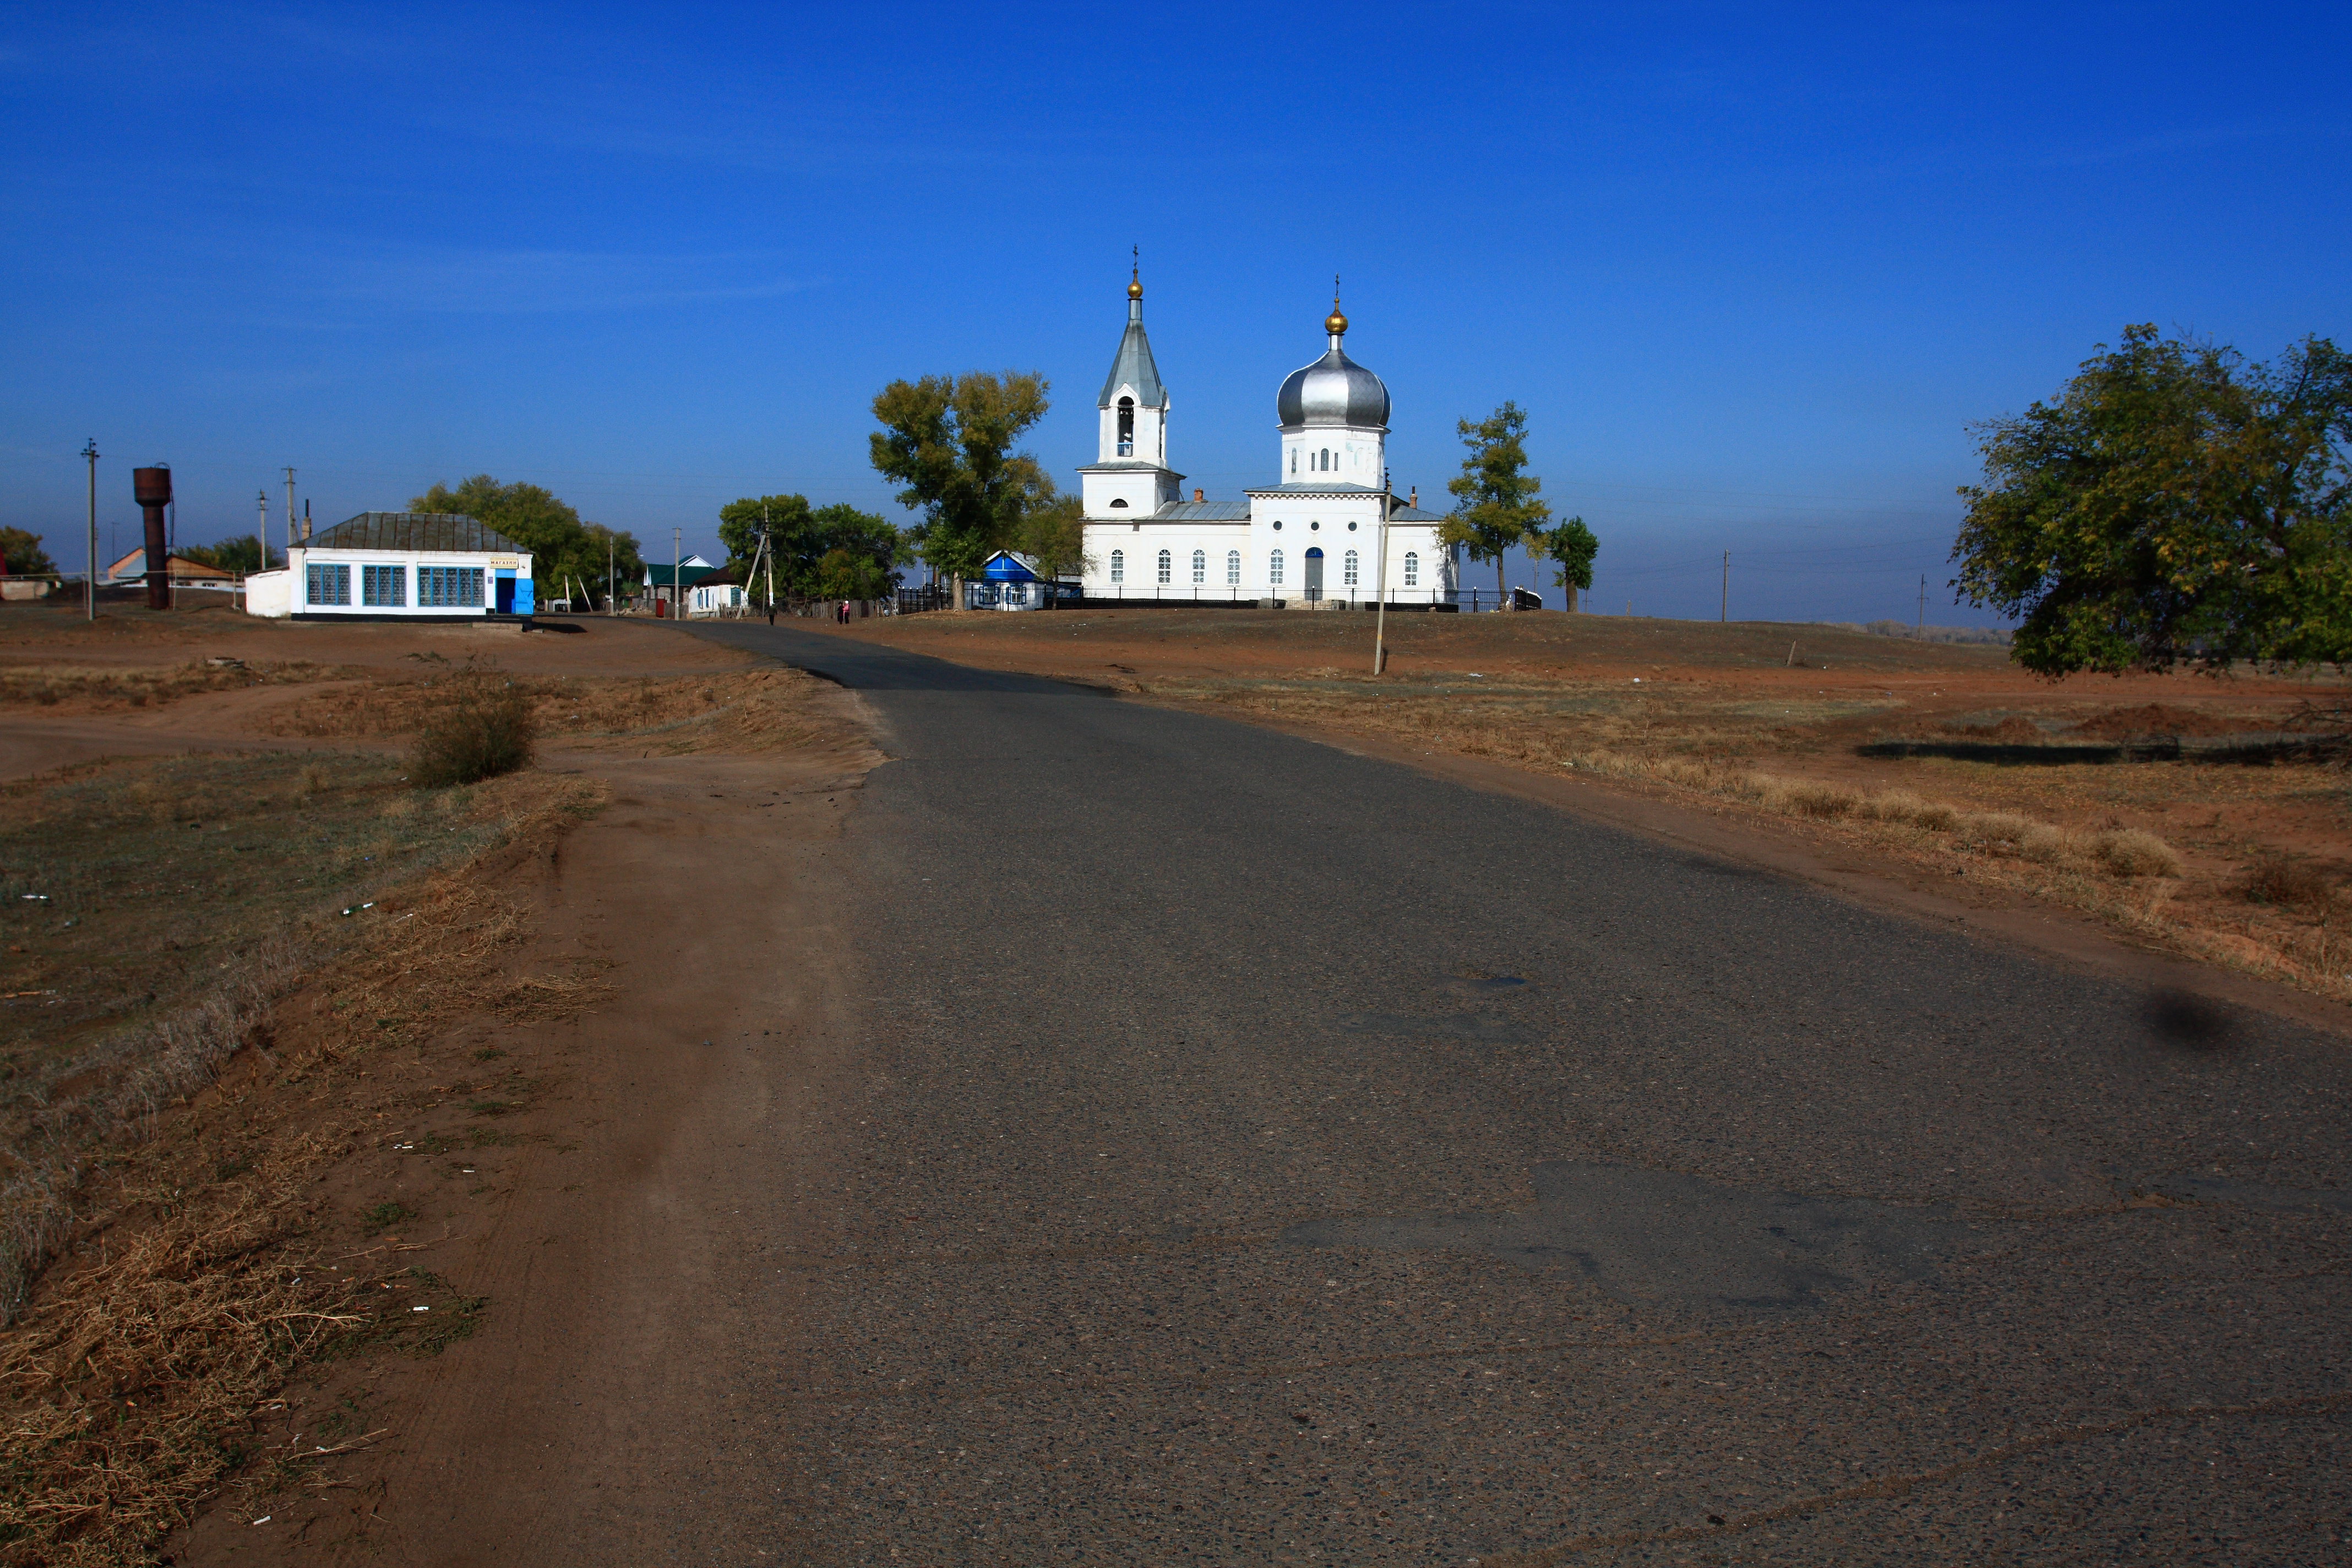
<point x="2000" y="828"/>
<point x="2128" y="852"/>
<point x="481" y="728"/>
<point x="1917" y="811"/>
<point x="2287" y="883"/>
<point x="1808" y="799"/>
<point x="2046" y="845"/>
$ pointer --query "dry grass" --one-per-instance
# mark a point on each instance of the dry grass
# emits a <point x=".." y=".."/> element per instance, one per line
<point x="153" y="909"/>
<point x="754" y="706"/>
<point x="195" y="1285"/>
<point x="113" y="691"/>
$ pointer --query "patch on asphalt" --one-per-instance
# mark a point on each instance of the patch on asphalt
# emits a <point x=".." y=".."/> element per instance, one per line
<point x="1471" y="1027"/>
<point x="2252" y="1194"/>
<point x="1661" y="1238"/>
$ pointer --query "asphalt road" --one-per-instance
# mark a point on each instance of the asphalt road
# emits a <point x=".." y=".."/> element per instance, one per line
<point x="1256" y="1154"/>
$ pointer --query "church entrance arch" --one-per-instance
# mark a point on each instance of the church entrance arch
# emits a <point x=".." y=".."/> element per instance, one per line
<point x="1314" y="574"/>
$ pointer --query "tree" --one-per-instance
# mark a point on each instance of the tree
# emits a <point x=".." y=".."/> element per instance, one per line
<point x="562" y="547"/>
<point x="802" y="539"/>
<point x="1055" y="536"/>
<point x="845" y="573"/>
<point x="1498" y="506"/>
<point x="245" y="555"/>
<point x="947" y="441"/>
<point x="21" y="554"/>
<point x="1571" y="547"/>
<point x="2172" y="504"/>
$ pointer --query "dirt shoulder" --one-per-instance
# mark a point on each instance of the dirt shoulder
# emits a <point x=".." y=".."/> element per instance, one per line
<point x="596" y="1222"/>
<point x="410" y="1280"/>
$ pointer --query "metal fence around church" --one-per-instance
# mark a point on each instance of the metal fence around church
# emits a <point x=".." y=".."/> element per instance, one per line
<point x="1073" y="597"/>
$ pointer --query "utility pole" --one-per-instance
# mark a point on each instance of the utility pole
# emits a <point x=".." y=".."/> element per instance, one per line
<point x="289" y="513"/>
<point x="261" y="525"/>
<point x="1381" y="587"/>
<point x="611" y="572"/>
<point x="89" y="589"/>
<point x="1923" y="606"/>
<point x="1725" y="616"/>
<point x="677" y="553"/>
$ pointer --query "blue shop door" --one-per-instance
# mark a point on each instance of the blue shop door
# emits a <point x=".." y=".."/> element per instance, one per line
<point x="504" y="592"/>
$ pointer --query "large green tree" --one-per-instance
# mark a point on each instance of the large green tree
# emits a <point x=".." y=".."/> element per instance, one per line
<point x="21" y="554"/>
<point x="1494" y="495"/>
<point x="947" y="441"/>
<point x="563" y="548"/>
<point x="2172" y="504"/>
<point x="804" y="537"/>
<point x="1571" y="548"/>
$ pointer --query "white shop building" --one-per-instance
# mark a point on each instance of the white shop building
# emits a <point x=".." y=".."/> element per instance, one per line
<point x="398" y="565"/>
<point x="1310" y="540"/>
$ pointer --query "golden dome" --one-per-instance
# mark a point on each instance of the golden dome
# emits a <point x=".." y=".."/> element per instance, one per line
<point x="1135" y="289"/>
<point x="1335" y="324"/>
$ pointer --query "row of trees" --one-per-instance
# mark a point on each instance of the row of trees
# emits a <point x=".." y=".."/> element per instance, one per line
<point x="823" y="552"/>
<point x="564" y="549"/>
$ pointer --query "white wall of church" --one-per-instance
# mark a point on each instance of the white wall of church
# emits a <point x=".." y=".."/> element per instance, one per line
<point x="1180" y="561"/>
<point x="1123" y="493"/>
<point x="1355" y="455"/>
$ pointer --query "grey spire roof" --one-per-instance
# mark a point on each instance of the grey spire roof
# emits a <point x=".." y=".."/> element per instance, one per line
<point x="1134" y="367"/>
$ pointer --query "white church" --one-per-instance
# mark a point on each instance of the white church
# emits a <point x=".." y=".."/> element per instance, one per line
<point x="1310" y="541"/>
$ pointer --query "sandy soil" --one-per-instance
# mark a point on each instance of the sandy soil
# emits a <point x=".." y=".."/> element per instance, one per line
<point x="80" y="728"/>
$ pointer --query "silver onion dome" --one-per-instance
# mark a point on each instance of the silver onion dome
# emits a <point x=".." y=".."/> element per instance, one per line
<point x="1334" y="389"/>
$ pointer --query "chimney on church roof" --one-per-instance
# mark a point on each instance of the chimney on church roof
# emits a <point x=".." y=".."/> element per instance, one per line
<point x="1199" y="495"/>
<point x="1415" y="499"/>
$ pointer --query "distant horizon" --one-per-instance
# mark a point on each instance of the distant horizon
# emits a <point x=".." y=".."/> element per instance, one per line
<point x="1752" y="278"/>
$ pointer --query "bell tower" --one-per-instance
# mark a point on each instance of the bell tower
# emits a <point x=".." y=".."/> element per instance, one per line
<point x="1129" y="479"/>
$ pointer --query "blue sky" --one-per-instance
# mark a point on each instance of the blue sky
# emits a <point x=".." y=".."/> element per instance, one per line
<point x="1751" y="270"/>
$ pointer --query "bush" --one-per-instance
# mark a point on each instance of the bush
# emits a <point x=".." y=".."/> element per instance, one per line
<point x="2128" y="852"/>
<point x="2288" y="883"/>
<point x="483" y="730"/>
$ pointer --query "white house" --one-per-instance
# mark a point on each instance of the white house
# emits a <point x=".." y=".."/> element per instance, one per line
<point x="1312" y="539"/>
<point x="397" y="565"/>
<point x="679" y="577"/>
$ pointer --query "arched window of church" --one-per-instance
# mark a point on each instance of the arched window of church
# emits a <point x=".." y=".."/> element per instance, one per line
<point x="1233" y="568"/>
<point x="1412" y="568"/>
<point x="1119" y="565"/>
<point x="1348" y="571"/>
<point x="1326" y="461"/>
<point x="1294" y="460"/>
<point x="1126" y="427"/>
<point x="1167" y="567"/>
<point x="1274" y="569"/>
<point x="1199" y="567"/>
